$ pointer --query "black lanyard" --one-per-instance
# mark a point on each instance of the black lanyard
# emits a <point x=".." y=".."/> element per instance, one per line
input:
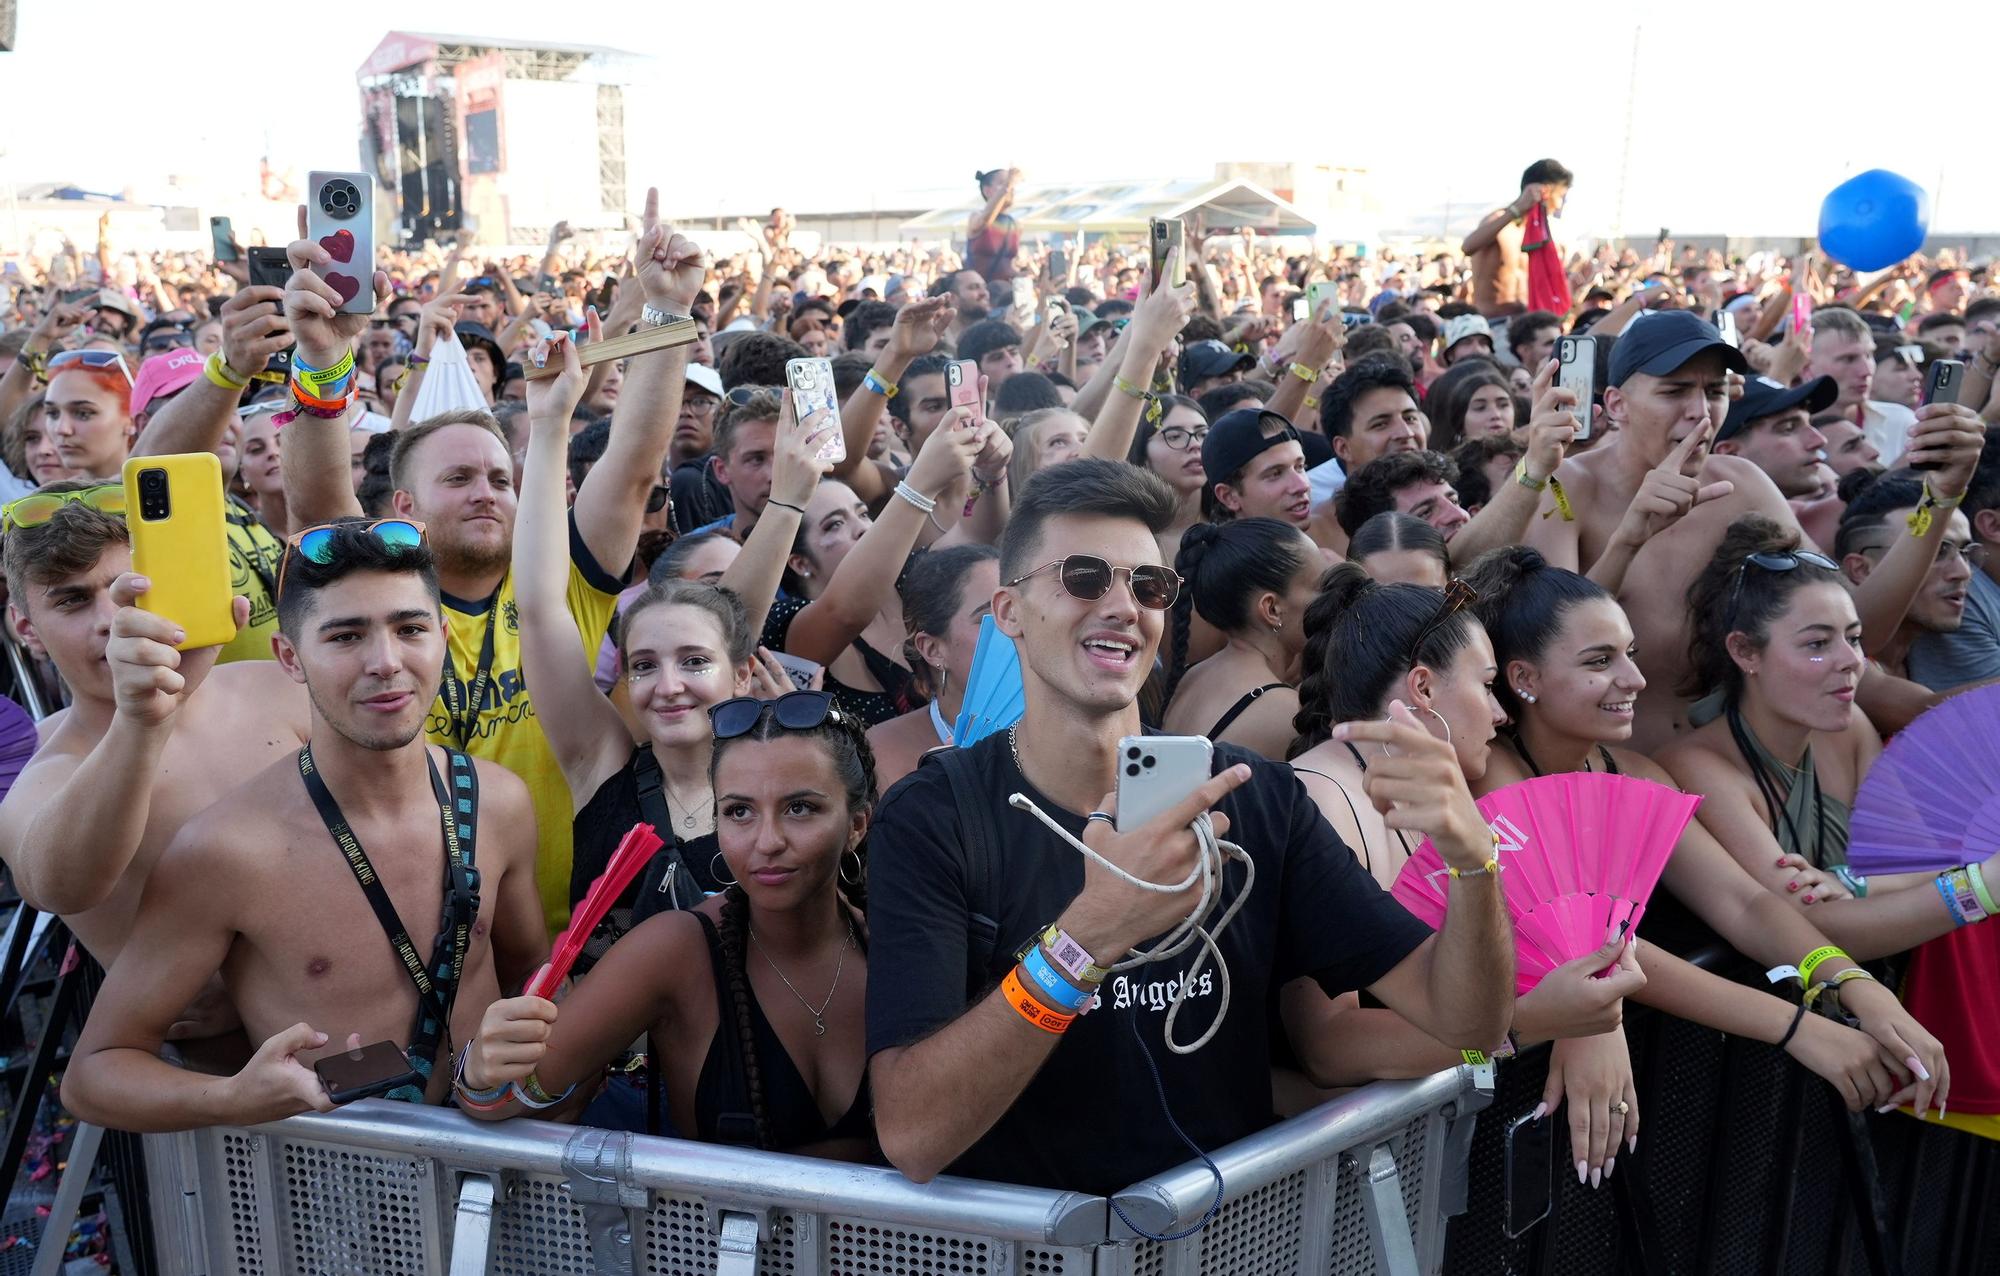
<point x="461" y="704"/>
<point x="437" y="983"/>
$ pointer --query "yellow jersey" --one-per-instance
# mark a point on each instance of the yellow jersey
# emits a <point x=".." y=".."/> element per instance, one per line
<point x="504" y="729"/>
<point x="254" y="555"/>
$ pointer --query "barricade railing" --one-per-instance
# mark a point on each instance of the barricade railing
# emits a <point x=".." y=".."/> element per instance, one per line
<point x="1355" y="1186"/>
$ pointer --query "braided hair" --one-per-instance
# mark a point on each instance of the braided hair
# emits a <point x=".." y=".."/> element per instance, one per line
<point x="1360" y="637"/>
<point x="846" y="741"/>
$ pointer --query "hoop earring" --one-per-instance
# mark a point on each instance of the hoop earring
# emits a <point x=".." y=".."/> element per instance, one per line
<point x="716" y="875"/>
<point x="859" y="868"/>
<point x="1441" y="722"/>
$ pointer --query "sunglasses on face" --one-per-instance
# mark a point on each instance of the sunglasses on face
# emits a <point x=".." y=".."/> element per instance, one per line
<point x="1779" y="562"/>
<point x="316" y="543"/>
<point x="39" y="507"/>
<point x="794" y="711"/>
<point x="169" y="339"/>
<point x="658" y="499"/>
<point x="1088" y="577"/>
<point x="90" y="359"/>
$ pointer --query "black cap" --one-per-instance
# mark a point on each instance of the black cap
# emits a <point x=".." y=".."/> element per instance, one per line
<point x="1657" y="342"/>
<point x="1238" y="438"/>
<point x="1764" y="397"/>
<point x="1211" y="358"/>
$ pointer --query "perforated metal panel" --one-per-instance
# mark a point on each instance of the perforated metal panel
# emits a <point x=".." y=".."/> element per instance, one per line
<point x="856" y="1247"/>
<point x="1053" y="1262"/>
<point x="1257" y="1234"/>
<point x="354" y="1211"/>
<point x="244" y="1228"/>
<point x="680" y="1242"/>
<point x="539" y="1231"/>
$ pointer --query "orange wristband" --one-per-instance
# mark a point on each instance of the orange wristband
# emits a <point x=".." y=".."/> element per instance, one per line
<point x="1028" y="1008"/>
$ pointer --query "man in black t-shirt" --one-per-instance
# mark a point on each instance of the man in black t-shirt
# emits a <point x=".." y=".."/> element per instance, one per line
<point x="999" y="1082"/>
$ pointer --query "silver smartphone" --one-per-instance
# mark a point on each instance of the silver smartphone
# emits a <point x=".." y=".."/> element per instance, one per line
<point x="811" y="382"/>
<point x="340" y="217"/>
<point x="1577" y="372"/>
<point x="1725" y="323"/>
<point x="1157" y="772"/>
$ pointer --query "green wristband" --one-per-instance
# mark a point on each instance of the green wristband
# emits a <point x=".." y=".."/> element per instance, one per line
<point x="1979" y="889"/>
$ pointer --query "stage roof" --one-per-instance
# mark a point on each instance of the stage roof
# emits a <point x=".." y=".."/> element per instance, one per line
<point x="1127" y="206"/>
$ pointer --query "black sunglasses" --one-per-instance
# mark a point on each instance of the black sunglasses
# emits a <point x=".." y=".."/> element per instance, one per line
<point x="795" y="711"/>
<point x="1088" y="577"/>
<point x="661" y="497"/>
<point x="1781" y="561"/>
<point x="1457" y="597"/>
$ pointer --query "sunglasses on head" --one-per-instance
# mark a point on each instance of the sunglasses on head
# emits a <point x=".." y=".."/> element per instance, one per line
<point x="95" y="359"/>
<point x="316" y="543"/>
<point x="794" y="711"/>
<point x="1457" y="597"/>
<point x="38" y="508"/>
<point x="741" y="395"/>
<point x="1779" y="561"/>
<point x="1088" y="577"/>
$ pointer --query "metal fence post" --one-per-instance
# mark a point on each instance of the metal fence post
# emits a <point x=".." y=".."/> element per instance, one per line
<point x="736" y="1245"/>
<point x="1388" y="1224"/>
<point x="472" y="1233"/>
<point x="598" y="1167"/>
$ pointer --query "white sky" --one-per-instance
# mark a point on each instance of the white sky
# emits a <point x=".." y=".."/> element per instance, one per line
<point x="867" y="101"/>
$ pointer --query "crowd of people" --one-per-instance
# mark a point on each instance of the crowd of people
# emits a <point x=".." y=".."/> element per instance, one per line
<point x="1335" y="512"/>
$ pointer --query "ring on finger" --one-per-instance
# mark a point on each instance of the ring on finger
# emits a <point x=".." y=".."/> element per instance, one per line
<point x="1620" y="1108"/>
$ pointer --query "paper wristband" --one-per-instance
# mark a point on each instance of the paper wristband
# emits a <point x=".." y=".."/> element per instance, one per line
<point x="1028" y="1008"/>
<point x="1816" y="958"/>
<point x="1050" y="986"/>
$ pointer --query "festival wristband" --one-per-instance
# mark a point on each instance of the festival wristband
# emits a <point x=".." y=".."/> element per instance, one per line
<point x="494" y="1095"/>
<point x="1816" y="958"/>
<point x="1071" y="958"/>
<point x="337" y="402"/>
<point x="1856" y="884"/>
<point x="1969" y="906"/>
<point x="1563" y="506"/>
<point x="1028" y="1008"/>
<point x="1050" y="987"/>
<point x="1977" y="875"/>
<point x="1311" y="404"/>
<point x="1919" y="521"/>
<point x="221" y="375"/>
<point x="1305" y="374"/>
<point x="1945" y="892"/>
<point x="323" y="378"/>
<point x="1481" y="1065"/>
<point x="887" y="389"/>
<point x="1123" y="386"/>
<point x="1527" y="480"/>
<point x="532" y="1096"/>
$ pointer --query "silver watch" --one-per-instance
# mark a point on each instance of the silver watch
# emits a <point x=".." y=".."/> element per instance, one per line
<point x="658" y="318"/>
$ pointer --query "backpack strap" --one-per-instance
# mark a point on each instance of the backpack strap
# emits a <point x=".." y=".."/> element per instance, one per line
<point x="982" y="893"/>
<point x="670" y="874"/>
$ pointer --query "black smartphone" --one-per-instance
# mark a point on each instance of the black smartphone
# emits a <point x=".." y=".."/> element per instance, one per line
<point x="222" y="238"/>
<point x="268" y="266"/>
<point x="1530" y="1187"/>
<point x="73" y="296"/>
<point x="1947" y="378"/>
<point x="1058" y="263"/>
<point x="364" y="1073"/>
<point x="603" y="302"/>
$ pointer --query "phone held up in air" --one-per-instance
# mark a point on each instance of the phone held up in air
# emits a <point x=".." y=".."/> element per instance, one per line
<point x="811" y="381"/>
<point x="340" y="217"/>
<point x="1529" y="1189"/>
<point x="1576" y="372"/>
<point x="1155" y="772"/>
<point x="180" y="543"/>
<point x="1165" y="235"/>
<point x="365" y="1073"/>
<point x="1321" y="294"/>
<point x="1058" y="263"/>
<point x="222" y="238"/>
<point x="1946" y="380"/>
<point x="267" y="266"/>
<point x="961" y="381"/>
<point x="1725" y="323"/>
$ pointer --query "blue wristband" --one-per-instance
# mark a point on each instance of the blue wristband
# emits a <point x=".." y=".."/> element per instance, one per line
<point x="1950" y="899"/>
<point x="1063" y="995"/>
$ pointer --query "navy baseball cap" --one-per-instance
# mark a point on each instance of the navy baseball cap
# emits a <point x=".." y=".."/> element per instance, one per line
<point x="1238" y="438"/>
<point x="1657" y="342"/>
<point x="1764" y="397"/>
<point x="1210" y="358"/>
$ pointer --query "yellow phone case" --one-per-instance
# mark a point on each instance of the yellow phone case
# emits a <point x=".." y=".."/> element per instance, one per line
<point x="180" y="543"/>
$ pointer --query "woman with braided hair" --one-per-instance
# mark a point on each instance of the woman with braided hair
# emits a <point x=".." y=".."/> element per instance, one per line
<point x="1251" y="578"/>
<point x="766" y="1050"/>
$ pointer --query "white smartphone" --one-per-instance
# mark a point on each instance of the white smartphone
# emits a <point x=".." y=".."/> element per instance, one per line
<point x="811" y="381"/>
<point x="340" y="217"/>
<point x="802" y="671"/>
<point x="1157" y="772"/>
<point x="1577" y="373"/>
<point x="1725" y="323"/>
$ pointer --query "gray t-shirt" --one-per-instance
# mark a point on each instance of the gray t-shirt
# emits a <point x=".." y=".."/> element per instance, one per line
<point x="1972" y="653"/>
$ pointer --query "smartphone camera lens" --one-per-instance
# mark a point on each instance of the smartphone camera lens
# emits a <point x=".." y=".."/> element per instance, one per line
<point x="339" y="198"/>
<point x="153" y="503"/>
<point x="1132" y="769"/>
<point x="1133" y="752"/>
<point x="1149" y="761"/>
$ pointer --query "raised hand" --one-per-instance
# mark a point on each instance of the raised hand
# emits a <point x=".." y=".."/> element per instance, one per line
<point x="671" y="267"/>
<point x="312" y="308"/>
<point x="947" y="455"/>
<point x="920" y="325"/>
<point x="1552" y="426"/>
<point x="796" y="465"/>
<point x="1669" y="490"/>
<point x="150" y="679"/>
<point x="253" y="328"/>
<point x="552" y="400"/>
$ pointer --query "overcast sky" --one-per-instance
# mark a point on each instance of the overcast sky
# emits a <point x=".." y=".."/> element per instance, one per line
<point x="857" y="103"/>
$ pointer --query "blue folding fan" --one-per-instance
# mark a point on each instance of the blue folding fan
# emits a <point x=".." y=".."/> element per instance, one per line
<point x="994" y="694"/>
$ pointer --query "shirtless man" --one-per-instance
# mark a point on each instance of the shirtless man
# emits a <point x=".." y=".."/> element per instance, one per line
<point x="257" y="887"/>
<point x="84" y="823"/>
<point x="1651" y="503"/>
<point x="1499" y="267"/>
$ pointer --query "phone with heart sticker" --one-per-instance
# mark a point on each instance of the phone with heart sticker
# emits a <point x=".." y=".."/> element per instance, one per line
<point x="340" y="217"/>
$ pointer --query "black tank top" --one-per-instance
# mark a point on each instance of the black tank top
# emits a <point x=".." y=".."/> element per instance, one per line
<point x="722" y="1091"/>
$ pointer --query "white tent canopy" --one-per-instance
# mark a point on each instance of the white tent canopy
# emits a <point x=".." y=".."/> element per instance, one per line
<point x="1125" y="208"/>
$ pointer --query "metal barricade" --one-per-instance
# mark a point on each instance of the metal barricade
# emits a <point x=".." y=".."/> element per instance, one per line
<point x="1355" y="1186"/>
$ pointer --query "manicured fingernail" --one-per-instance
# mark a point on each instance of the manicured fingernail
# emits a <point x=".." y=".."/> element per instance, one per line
<point x="1940" y="1111"/>
<point x="1596" y="1179"/>
<point x="1917" y="1066"/>
<point x="1791" y="886"/>
<point x="1632" y="1144"/>
<point x="1887" y="1107"/>
<point x="1809" y="899"/>
<point x="180" y="635"/>
<point x="1541" y="1110"/>
<point x="1610" y="1164"/>
<point x="1582" y="1172"/>
<point x="1781" y="862"/>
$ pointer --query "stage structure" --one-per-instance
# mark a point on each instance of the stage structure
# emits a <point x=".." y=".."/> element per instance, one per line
<point x="510" y="135"/>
